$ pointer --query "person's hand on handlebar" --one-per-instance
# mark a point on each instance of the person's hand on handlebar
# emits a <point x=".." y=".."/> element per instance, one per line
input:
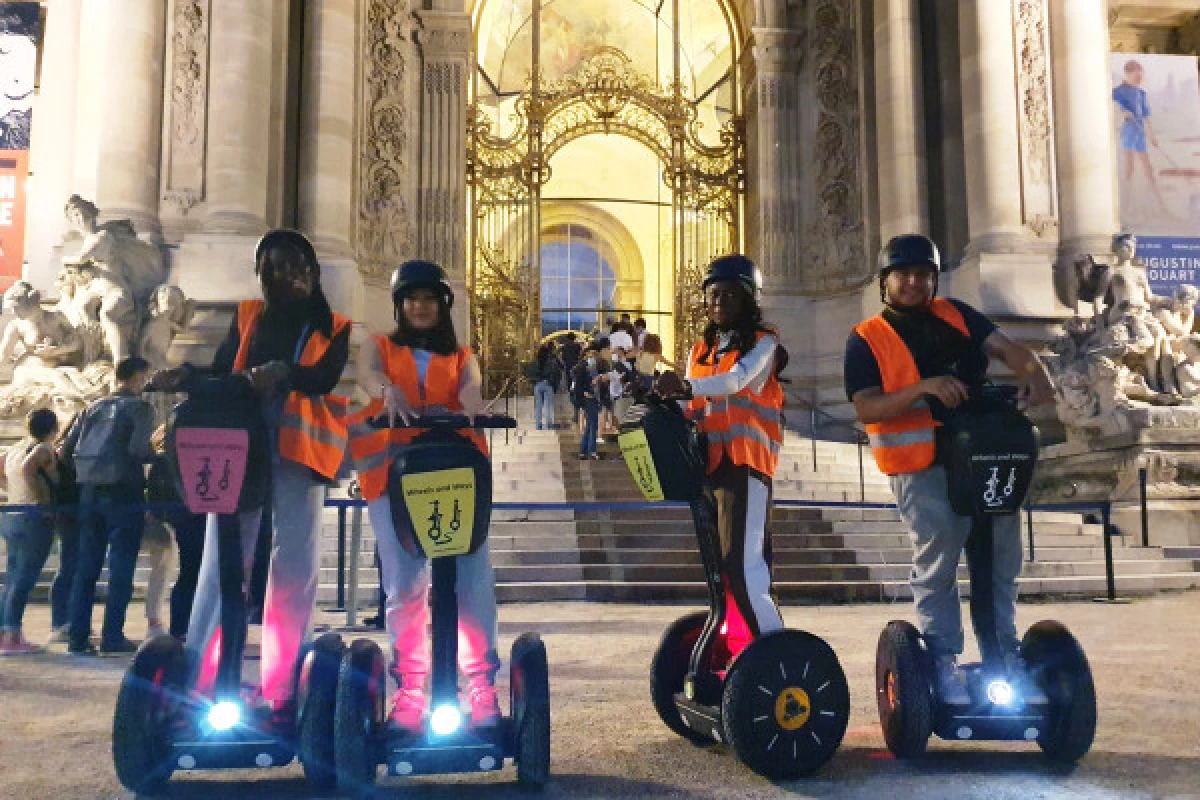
<point x="947" y="389"/>
<point x="395" y="405"/>
<point x="1035" y="388"/>
<point x="670" y="385"/>
<point x="267" y="377"/>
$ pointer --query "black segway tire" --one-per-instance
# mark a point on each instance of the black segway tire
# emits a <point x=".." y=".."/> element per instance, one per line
<point x="669" y="669"/>
<point x="786" y="705"/>
<point x="148" y="698"/>
<point x="359" y="717"/>
<point x="316" y="696"/>
<point x="1058" y="664"/>
<point x="529" y="694"/>
<point x="903" y="690"/>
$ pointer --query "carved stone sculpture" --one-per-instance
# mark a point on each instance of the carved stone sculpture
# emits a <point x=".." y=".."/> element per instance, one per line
<point x="170" y="312"/>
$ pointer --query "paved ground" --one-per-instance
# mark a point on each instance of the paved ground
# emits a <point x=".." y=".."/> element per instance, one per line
<point x="55" y="717"/>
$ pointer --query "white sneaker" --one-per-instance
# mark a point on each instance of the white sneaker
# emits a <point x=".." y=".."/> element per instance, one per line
<point x="951" y="682"/>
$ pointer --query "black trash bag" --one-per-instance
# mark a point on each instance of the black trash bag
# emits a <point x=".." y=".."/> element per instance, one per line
<point x="989" y="449"/>
<point x="430" y="508"/>
<point x="677" y="452"/>
<point x="227" y="403"/>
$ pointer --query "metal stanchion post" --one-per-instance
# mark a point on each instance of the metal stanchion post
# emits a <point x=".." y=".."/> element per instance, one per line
<point x="812" y="431"/>
<point x="1145" y="511"/>
<point x="356" y="515"/>
<point x="1029" y="525"/>
<point x="341" y="561"/>
<point x="1109" y="573"/>
<point x="862" y="476"/>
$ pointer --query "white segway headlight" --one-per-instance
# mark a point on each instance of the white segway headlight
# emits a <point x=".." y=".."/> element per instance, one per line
<point x="224" y="715"/>
<point x="445" y="720"/>
<point x="1001" y="693"/>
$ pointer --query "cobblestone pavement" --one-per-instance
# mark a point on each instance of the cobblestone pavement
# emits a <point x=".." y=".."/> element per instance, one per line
<point x="607" y="742"/>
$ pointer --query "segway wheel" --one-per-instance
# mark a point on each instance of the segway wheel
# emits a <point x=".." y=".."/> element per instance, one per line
<point x="359" y="716"/>
<point x="786" y="705"/>
<point x="903" y="690"/>
<point x="1061" y="669"/>
<point x="529" y="694"/>
<point x="146" y="704"/>
<point x="316" y="695"/>
<point x="669" y="669"/>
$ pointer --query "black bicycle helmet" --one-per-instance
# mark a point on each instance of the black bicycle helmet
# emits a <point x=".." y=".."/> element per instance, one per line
<point x="420" y="275"/>
<point x="290" y="238"/>
<point x="738" y="269"/>
<point x="909" y="250"/>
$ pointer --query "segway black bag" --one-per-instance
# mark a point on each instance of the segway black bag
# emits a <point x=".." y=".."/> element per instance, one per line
<point x="664" y="454"/>
<point x="218" y="448"/>
<point x="989" y="449"/>
<point x="440" y="487"/>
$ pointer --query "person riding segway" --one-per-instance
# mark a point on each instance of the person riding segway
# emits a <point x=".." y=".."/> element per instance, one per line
<point x="424" y="470"/>
<point x="734" y="674"/>
<point x="960" y="456"/>
<point x="218" y="451"/>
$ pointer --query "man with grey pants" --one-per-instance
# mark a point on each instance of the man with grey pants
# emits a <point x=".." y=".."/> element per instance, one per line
<point x="906" y="369"/>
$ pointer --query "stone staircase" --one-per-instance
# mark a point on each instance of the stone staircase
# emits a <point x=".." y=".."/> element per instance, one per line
<point x="821" y="554"/>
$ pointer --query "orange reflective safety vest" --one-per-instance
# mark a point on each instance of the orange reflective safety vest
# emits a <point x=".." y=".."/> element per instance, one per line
<point x="746" y="428"/>
<point x="906" y="443"/>
<point x="371" y="448"/>
<point x="313" y="429"/>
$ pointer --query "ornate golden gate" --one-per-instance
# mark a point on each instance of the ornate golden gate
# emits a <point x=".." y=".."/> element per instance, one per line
<point x="605" y="94"/>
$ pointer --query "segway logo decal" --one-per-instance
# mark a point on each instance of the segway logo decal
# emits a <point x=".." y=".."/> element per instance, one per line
<point x="993" y="495"/>
<point x="441" y="506"/>
<point x="636" y="451"/>
<point x="203" y="453"/>
<point x="793" y="707"/>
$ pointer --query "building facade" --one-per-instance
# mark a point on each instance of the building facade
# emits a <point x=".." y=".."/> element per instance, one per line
<point x="571" y="157"/>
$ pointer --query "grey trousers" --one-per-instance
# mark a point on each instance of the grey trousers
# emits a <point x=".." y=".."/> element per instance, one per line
<point x="938" y="538"/>
<point x="297" y="500"/>
<point x="406" y="583"/>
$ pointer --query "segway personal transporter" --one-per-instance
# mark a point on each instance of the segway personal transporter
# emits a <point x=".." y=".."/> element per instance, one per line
<point x="781" y="701"/>
<point x="219" y="452"/>
<point x="440" y="487"/>
<point x="989" y="450"/>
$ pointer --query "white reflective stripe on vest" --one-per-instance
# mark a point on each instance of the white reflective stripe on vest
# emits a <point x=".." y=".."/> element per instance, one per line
<point x="742" y="432"/>
<point x="322" y="435"/>
<point x="768" y="413"/>
<point x="902" y="439"/>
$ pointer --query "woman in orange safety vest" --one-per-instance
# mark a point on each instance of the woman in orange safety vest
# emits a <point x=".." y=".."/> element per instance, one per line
<point x="420" y="369"/>
<point x="737" y="402"/>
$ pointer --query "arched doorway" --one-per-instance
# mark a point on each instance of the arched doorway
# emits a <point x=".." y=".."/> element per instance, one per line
<point x="628" y="109"/>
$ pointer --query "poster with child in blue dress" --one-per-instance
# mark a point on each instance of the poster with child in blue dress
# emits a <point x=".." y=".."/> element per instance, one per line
<point x="1156" y="113"/>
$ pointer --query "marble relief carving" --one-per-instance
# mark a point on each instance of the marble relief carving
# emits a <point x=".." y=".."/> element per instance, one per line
<point x="1036" y="126"/>
<point x="187" y="106"/>
<point x="385" y="234"/>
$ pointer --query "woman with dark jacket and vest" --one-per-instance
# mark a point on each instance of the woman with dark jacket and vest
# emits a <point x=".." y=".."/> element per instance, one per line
<point x="737" y="402"/>
<point x="420" y="369"/>
<point x="293" y="348"/>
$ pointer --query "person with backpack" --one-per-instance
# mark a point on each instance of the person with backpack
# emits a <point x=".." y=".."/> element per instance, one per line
<point x="28" y="467"/>
<point x="547" y="372"/>
<point x="109" y="447"/>
<point x="586" y="385"/>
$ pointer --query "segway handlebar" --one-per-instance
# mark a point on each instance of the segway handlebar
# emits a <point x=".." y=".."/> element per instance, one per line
<point x="445" y="422"/>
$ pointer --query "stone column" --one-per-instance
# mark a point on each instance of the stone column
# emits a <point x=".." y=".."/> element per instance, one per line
<point x="773" y="153"/>
<point x="239" y="116"/>
<point x="900" y="124"/>
<point x="325" y="210"/>
<point x="991" y="136"/>
<point x="1082" y="109"/>
<point x="131" y="130"/>
<point x="445" y="41"/>
<point x="53" y="147"/>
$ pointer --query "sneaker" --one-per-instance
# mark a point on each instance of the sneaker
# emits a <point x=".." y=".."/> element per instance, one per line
<point x="951" y="682"/>
<point x="121" y="647"/>
<point x="14" y="644"/>
<point x="1024" y="682"/>
<point x="82" y="649"/>
<point x="583" y="457"/>
<point x="595" y="456"/>
<point x="408" y="711"/>
<point x="155" y="631"/>
<point x="59" y="635"/>
<point x="485" y="709"/>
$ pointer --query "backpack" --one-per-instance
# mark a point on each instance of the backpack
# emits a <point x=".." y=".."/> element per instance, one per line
<point x="101" y="455"/>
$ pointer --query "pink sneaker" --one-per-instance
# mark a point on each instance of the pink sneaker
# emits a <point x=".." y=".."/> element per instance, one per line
<point x="14" y="644"/>
<point x="485" y="710"/>
<point x="408" y="710"/>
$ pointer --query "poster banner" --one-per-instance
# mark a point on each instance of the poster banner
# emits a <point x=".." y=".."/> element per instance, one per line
<point x="1156" y="114"/>
<point x="19" y="30"/>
